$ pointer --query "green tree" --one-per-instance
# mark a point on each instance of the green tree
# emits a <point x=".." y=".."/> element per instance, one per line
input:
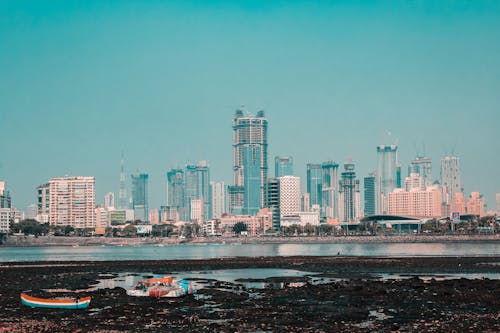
<point x="240" y="227"/>
<point x="129" y="231"/>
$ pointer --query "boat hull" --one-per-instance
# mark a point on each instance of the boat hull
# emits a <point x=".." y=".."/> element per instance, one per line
<point x="36" y="302"/>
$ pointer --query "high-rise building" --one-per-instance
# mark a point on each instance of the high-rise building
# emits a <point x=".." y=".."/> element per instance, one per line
<point x="314" y="183"/>
<point x="197" y="186"/>
<point x="122" y="195"/>
<point x="140" y="196"/>
<point x="450" y="177"/>
<point x="458" y="204"/>
<point x="289" y="194"/>
<point x="422" y="166"/>
<point x="249" y="131"/>
<point x="43" y="200"/>
<point x="349" y="197"/>
<point x="415" y="202"/>
<point x="251" y="176"/>
<point x="218" y="199"/>
<point x="398" y="175"/>
<point x="305" y="203"/>
<point x="329" y="188"/>
<point x="386" y="175"/>
<point x="175" y="195"/>
<point x="109" y="200"/>
<point x="196" y="206"/>
<point x="283" y="166"/>
<point x="369" y="194"/>
<point x="273" y="200"/>
<point x="72" y="202"/>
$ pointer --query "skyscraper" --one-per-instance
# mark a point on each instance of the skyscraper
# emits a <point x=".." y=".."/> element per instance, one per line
<point x="140" y="196"/>
<point x="197" y="186"/>
<point x="283" y="166"/>
<point x="498" y="203"/>
<point x="175" y="194"/>
<point x="218" y="199"/>
<point x="329" y="186"/>
<point x="450" y="177"/>
<point x="422" y="166"/>
<point x="273" y="200"/>
<point x="72" y="202"/>
<point x="386" y="175"/>
<point x="251" y="173"/>
<point x="289" y="194"/>
<point x="249" y="131"/>
<point x="349" y="198"/>
<point x="369" y="194"/>
<point x="314" y="183"/>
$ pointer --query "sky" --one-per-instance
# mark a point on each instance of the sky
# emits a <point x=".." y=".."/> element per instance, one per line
<point x="82" y="81"/>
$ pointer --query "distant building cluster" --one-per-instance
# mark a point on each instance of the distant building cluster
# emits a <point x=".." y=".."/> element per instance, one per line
<point x="263" y="204"/>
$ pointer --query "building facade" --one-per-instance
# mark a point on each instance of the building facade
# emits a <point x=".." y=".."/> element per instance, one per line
<point x="349" y="196"/>
<point x="416" y="202"/>
<point x="251" y="185"/>
<point x="273" y="201"/>
<point x="451" y="180"/>
<point x="423" y="167"/>
<point x="289" y="195"/>
<point x="72" y="202"/>
<point x="175" y="193"/>
<point x="249" y="131"/>
<point x="140" y="196"/>
<point x="218" y="199"/>
<point x="386" y="175"/>
<point x="197" y="187"/>
<point x="369" y="194"/>
<point x="314" y="183"/>
<point x="109" y="200"/>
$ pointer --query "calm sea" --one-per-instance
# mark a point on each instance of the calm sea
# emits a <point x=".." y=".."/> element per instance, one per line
<point x="206" y="251"/>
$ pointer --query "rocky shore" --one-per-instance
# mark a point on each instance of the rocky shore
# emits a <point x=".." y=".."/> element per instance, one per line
<point x="351" y="298"/>
<point x="12" y="241"/>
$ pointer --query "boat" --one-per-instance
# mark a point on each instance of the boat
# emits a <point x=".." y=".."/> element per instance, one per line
<point x="164" y="286"/>
<point x="56" y="303"/>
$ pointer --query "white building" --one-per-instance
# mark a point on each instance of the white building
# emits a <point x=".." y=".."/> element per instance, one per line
<point x="72" y="202"/>
<point x="102" y="217"/>
<point x="289" y="195"/>
<point x="301" y="218"/>
<point x="197" y="210"/>
<point x="218" y="194"/>
<point x="109" y="200"/>
<point x="6" y="217"/>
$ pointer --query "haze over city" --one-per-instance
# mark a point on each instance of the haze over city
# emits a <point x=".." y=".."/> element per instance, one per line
<point x="82" y="82"/>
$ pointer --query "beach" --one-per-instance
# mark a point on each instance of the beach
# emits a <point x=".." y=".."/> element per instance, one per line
<point x="354" y="297"/>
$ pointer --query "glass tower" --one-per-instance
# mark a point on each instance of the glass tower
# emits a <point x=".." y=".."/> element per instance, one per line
<point x="386" y="175"/>
<point x="283" y="166"/>
<point x="140" y="196"/>
<point x="314" y="183"/>
<point x="369" y="195"/>
<point x="349" y="194"/>
<point x="251" y="175"/>
<point x="329" y="195"/>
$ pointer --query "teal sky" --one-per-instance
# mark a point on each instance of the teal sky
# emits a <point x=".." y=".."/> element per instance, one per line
<point x="80" y="81"/>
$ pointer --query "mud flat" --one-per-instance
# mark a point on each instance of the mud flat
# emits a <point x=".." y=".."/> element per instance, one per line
<point x="353" y="298"/>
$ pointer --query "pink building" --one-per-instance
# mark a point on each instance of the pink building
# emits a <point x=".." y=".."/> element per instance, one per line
<point x="255" y="224"/>
<point x="154" y="216"/>
<point x="458" y="204"/>
<point x="475" y="204"/>
<point x="415" y="203"/>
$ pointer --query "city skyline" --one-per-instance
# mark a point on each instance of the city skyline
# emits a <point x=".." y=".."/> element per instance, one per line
<point x="71" y="101"/>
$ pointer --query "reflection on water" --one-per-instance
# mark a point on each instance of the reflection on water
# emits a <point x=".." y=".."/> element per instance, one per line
<point x="205" y="251"/>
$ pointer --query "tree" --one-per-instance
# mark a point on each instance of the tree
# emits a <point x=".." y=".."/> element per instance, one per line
<point x="239" y="227"/>
<point x="130" y="231"/>
<point x="30" y="227"/>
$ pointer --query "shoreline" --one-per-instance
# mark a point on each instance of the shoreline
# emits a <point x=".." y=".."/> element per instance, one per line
<point x="48" y="241"/>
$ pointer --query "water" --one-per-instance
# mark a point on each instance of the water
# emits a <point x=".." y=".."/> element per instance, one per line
<point x="207" y="251"/>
